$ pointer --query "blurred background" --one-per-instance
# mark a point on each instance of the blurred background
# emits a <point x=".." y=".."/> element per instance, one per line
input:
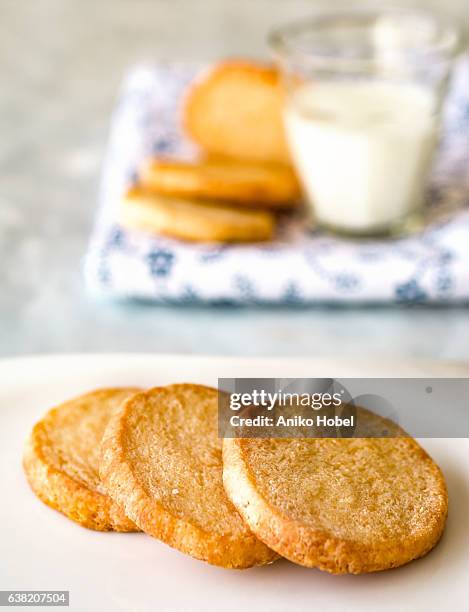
<point x="60" y="68"/>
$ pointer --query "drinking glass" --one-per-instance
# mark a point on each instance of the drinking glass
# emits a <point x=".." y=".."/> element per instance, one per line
<point x="363" y="106"/>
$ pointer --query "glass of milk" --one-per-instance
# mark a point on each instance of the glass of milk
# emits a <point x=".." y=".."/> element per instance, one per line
<point x="364" y="93"/>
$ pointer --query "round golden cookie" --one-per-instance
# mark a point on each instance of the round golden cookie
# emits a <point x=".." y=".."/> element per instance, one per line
<point x="341" y="505"/>
<point x="161" y="460"/>
<point x="198" y="221"/>
<point x="266" y="185"/>
<point x="235" y="109"/>
<point x="61" y="460"/>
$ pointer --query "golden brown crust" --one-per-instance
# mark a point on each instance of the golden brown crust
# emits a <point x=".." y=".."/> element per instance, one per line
<point x="143" y="486"/>
<point x="297" y="539"/>
<point x="266" y="185"/>
<point x="198" y="221"/>
<point x="235" y="110"/>
<point x="55" y="477"/>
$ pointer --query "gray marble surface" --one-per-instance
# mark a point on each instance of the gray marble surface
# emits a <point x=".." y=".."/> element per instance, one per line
<point x="60" y="66"/>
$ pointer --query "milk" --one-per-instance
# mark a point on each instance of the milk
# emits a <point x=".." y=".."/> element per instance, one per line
<point x="362" y="150"/>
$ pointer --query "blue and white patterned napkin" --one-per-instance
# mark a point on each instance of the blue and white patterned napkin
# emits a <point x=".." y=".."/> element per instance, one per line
<point x="302" y="266"/>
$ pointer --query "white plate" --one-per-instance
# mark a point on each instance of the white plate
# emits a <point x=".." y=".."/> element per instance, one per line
<point x="41" y="549"/>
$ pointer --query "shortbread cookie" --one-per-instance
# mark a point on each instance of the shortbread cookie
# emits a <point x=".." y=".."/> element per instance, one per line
<point x="61" y="460"/>
<point x="267" y="185"/>
<point x="342" y="505"/>
<point x="161" y="461"/>
<point x="235" y="109"/>
<point x="198" y="221"/>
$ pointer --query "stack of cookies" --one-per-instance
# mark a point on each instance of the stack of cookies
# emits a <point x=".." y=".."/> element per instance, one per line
<point x="130" y="460"/>
<point x="243" y="178"/>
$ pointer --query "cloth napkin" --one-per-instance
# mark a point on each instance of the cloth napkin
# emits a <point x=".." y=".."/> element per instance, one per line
<point x="302" y="266"/>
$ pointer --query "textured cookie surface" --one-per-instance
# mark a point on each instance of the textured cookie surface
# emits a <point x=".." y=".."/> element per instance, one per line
<point x="342" y="505"/>
<point x="269" y="185"/>
<point x="235" y="109"/>
<point x="161" y="460"/>
<point x="194" y="220"/>
<point x="61" y="460"/>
